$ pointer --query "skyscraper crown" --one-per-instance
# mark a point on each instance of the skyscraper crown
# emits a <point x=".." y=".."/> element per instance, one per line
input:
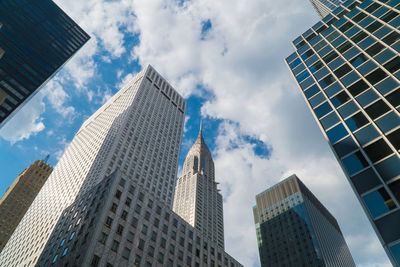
<point x="199" y="159"/>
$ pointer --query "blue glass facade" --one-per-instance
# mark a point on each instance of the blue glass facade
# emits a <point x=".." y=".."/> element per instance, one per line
<point x="295" y="229"/>
<point x="348" y="69"/>
<point x="36" y="39"/>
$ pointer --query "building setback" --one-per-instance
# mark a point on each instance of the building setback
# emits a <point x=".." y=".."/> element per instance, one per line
<point x="295" y="229"/>
<point x="138" y="131"/>
<point x="121" y="223"/>
<point x="36" y="39"/>
<point x="348" y="69"/>
<point x="19" y="196"/>
<point x="197" y="199"/>
<point x="324" y="7"/>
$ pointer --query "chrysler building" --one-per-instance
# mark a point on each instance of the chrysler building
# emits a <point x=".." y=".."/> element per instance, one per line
<point x="197" y="199"/>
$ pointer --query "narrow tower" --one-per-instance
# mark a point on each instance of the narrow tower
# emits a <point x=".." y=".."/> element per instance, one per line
<point x="19" y="196"/>
<point x="197" y="199"/>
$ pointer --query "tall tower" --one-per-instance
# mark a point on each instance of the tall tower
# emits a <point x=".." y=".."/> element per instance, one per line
<point x="197" y="199"/>
<point x="348" y="69"/>
<point x="137" y="131"/>
<point x="324" y="7"/>
<point x="19" y="197"/>
<point x="295" y="229"/>
<point x="36" y="39"/>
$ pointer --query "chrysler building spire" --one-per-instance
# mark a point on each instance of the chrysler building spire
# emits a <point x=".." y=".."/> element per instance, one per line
<point x="197" y="199"/>
<point x="199" y="159"/>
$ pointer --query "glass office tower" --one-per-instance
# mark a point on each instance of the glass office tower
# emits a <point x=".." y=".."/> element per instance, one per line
<point x="295" y="229"/>
<point x="348" y="68"/>
<point x="36" y="39"/>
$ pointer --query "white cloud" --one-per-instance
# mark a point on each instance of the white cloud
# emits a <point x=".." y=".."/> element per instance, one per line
<point x="57" y="97"/>
<point x="26" y="122"/>
<point x="241" y="63"/>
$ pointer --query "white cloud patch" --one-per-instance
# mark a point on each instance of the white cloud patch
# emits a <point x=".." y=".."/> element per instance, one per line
<point x="241" y="63"/>
<point x="57" y="97"/>
<point x="26" y="122"/>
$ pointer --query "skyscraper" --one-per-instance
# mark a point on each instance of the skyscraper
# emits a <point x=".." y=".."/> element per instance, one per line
<point x="36" y="39"/>
<point x="347" y="66"/>
<point x="197" y="199"/>
<point x="137" y="131"/>
<point x="295" y="229"/>
<point x="19" y="196"/>
<point x="324" y="7"/>
<point x="118" y="222"/>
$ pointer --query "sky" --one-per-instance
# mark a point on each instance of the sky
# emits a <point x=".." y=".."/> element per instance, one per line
<point x="227" y="59"/>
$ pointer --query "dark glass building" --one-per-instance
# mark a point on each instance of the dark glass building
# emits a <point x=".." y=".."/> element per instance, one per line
<point x="295" y="229"/>
<point x="348" y="69"/>
<point x="36" y="39"/>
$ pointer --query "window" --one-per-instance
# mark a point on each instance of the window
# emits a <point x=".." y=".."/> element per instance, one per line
<point x="345" y="146"/>
<point x="377" y="109"/>
<point x="55" y="258"/>
<point x="354" y="163"/>
<point x="95" y="261"/>
<point x="120" y="229"/>
<point x="378" y="150"/>
<point x="103" y="238"/>
<point x="114" y="207"/>
<point x="124" y="215"/>
<point x="329" y="120"/>
<point x="128" y="201"/>
<point x="358" y="60"/>
<point x="389" y="168"/>
<point x="356" y="121"/>
<point x="125" y="253"/>
<point x="108" y="222"/>
<point x="115" y="246"/>
<point x="138" y="259"/>
<point x="376" y="76"/>
<point x="379" y="202"/>
<point x="367" y="97"/>
<point x="342" y="70"/>
<point x="395" y="188"/>
<point x="160" y="257"/>
<point x="394" y="98"/>
<point x="331" y="56"/>
<point x="72" y="236"/>
<point x="366" y="134"/>
<point x="388" y="122"/>
<point x="393" y="65"/>
<point x="322" y="110"/>
<point x="64" y="252"/>
<point x="340" y="99"/>
<point x="391" y="38"/>
<point x="318" y="65"/>
<point x="348" y="109"/>
<point x="395" y="250"/>
<point x="386" y="85"/>
<point x="118" y="194"/>
<point x="358" y="88"/>
<point x="130" y="236"/>
<point x="359" y="37"/>
<point x="365" y="181"/>
<point x="134" y="222"/>
<point x="141" y="244"/>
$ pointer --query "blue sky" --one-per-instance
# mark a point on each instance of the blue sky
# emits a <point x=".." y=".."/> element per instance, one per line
<point x="227" y="59"/>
